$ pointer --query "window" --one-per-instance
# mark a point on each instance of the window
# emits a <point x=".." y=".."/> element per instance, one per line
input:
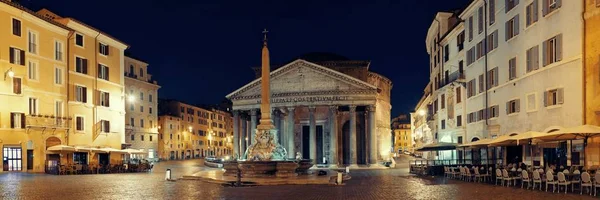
<point x="481" y="87"/>
<point x="131" y="107"/>
<point x="132" y="137"/>
<point x="141" y="96"/>
<point x="435" y="107"/>
<point x="142" y="123"/>
<point x="554" y="97"/>
<point x="481" y="49"/>
<point x="132" y="122"/>
<point x="149" y="97"/>
<point x="58" y="76"/>
<point x="17" y="85"/>
<point x="512" y="28"/>
<point x="513" y="106"/>
<point x="105" y="126"/>
<point x="459" y="121"/>
<point x="17" y="120"/>
<point x="512" y="68"/>
<point x="150" y="110"/>
<point x="458" y="95"/>
<point x="17" y="56"/>
<point x="492" y="11"/>
<point x="103" y="72"/>
<point x="141" y="108"/>
<point x="446" y="53"/>
<point x="58" y="109"/>
<point x="79" y="123"/>
<point x="33" y="71"/>
<point x="171" y="136"/>
<point x="470" y="28"/>
<point x="461" y="41"/>
<point x="81" y="65"/>
<point x="81" y="94"/>
<point x="492" y="41"/>
<point x="32" y="41"/>
<point x="493" y="111"/>
<point x="150" y="138"/>
<point x="552" y="50"/>
<point x="141" y="72"/>
<point x="471" y="88"/>
<point x="492" y="78"/>
<point x="443" y="124"/>
<point x="510" y="4"/>
<point x="531" y="13"/>
<point x="481" y="114"/>
<point x="471" y="56"/>
<point x="33" y="106"/>
<point x="480" y="19"/>
<point x="533" y="58"/>
<point x="459" y="139"/>
<point x="443" y="101"/>
<point x="104" y="99"/>
<point x="150" y="123"/>
<point x="103" y="49"/>
<point x="78" y="39"/>
<point x="531" y="102"/>
<point x="549" y="6"/>
<point x="58" y="50"/>
<point x="142" y="137"/>
<point x="16" y="27"/>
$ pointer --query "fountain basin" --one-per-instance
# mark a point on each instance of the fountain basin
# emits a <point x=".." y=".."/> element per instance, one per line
<point x="279" y="168"/>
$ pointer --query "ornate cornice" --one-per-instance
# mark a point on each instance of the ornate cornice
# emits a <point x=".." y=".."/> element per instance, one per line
<point x="381" y="78"/>
<point x="287" y="94"/>
<point x="302" y="63"/>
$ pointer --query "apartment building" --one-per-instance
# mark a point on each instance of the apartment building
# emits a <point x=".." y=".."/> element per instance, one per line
<point x="200" y="132"/>
<point x="141" y="105"/>
<point x="402" y="134"/>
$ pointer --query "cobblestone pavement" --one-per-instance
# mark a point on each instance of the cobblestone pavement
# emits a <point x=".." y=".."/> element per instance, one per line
<point x="365" y="184"/>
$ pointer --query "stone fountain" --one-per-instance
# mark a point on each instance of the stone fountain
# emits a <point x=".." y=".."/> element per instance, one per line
<point x="266" y="157"/>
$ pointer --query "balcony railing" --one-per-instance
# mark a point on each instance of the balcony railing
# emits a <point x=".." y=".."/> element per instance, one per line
<point x="47" y="121"/>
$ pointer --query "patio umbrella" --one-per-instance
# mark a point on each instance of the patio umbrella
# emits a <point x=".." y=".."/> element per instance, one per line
<point x="110" y="150"/>
<point x="478" y="143"/>
<point x="573" y="133"/>
<point x="133" y="151"/>
<point x="515" y="139"/>
<point x="86" y="149"/>
<point x="441" y="146"/>
<point x="63" y="148"/>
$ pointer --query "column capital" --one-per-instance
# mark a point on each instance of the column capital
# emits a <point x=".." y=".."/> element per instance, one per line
<point x="352" y="108"/>
<point x="371" y="108"/>
<point x="291" y="108"/>
<point x="253" y="111"/>
<point x="333" y="107"/>
<point x="312" y="109"/>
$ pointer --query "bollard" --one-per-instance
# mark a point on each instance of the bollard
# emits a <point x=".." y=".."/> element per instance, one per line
<point x="339" y="178"/>
<point x="347" y="170"/>
<point x="168" y="175"/>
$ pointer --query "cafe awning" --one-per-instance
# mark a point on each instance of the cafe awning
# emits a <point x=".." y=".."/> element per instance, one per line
<point x="478" y="143"/>
<point x="133" y="151"/>
<point x="572" y="133"/>
<point x="61" y="148"/>
<point x="111" y="150"/>
<point x="441" y="146"/>
<point x="515" y="139"/>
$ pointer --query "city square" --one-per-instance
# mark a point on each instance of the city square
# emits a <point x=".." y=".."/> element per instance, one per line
<point x="300" y="99"/>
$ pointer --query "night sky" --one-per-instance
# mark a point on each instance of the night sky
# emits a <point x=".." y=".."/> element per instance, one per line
<point x="199" y="51"/>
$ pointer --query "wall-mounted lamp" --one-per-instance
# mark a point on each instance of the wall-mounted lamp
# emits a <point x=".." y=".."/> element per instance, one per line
<point x="9" y="73"/>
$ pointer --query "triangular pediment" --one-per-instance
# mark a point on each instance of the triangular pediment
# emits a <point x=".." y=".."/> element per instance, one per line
<point x="303" y="77"/>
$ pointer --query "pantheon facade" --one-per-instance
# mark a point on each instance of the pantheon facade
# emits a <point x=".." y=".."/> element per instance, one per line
<point x="328" y="108"/>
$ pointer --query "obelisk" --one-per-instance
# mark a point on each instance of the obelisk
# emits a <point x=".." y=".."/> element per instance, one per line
<point x="265" y="105"/>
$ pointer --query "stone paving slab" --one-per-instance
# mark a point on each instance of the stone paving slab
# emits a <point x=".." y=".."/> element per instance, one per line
<point x="216" y="176"/>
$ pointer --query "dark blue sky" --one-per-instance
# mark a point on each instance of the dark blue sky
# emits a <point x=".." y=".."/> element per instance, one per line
<point x="199" y="51"/>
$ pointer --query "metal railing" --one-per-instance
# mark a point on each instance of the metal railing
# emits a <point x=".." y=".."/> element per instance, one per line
<point x="47" y="121"/>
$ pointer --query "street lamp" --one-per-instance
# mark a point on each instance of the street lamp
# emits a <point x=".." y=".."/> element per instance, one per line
<point x="131" y="98"/>
<point x="422" y="112"/>
<point x="9" y="73"/>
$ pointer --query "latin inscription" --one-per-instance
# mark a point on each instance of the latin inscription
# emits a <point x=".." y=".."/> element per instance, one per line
<point x="307" y="99"/>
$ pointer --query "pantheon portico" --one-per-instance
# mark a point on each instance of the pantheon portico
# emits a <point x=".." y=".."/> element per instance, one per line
<point x="330" y="109"/>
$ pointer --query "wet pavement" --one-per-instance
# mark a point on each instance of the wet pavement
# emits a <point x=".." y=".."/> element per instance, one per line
<point x="365" y="184"/>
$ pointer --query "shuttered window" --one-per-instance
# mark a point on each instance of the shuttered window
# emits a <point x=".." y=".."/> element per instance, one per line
<point x="533" y="58"/>
<point x="79" y="123"/>
<point x="512" y="68"/>
<point x="552" y="50"/>
<point x="492" y="41"/>
<point x="16" y="27"/>
<point x="493" y="112"/>
<point x="549" y="6"/>
<point x="103" y="72"/>
<point x="17" y="85"/>
<point x="480" y="20"/>
<point x="492" y="11"/>
<point x="78" y="39"/>
<point x="103" y="49"/>
<point x="81" y="65"/>
<point x="443" y="101"/>
<point x="80" y="94"/>
<point x="104" y="98"/>
<point x="510" y="4"/>
<point x="17" y="120"/>
<point x="531" y="13"/>
<point x="470" y="28"/>
<point x="554" y="97"/>
<point x="492" y="78"/>
<point x="17" y="56"/>
<point x="105" y="126"/>
<point x="512" y="28"/>
<point x="481" y="86"/>
<point x="458" y="95"/>
<point x="513" y="106"/>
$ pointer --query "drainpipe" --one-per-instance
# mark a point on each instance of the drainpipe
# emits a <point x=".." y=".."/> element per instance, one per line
<point x="583" y="58"/>
<point x="95" y="107"/>
<point x="71" y="33"/>
<point x="485" y="47"/>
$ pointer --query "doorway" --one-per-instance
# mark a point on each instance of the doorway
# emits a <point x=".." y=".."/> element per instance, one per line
<point x="306" y="142"/>
<point x="103" y="159"/>
<point x="319" y="144"/>
<point x="29" y="159"/>
<point x="12" y="159"/>
<point x="346" y="143"/>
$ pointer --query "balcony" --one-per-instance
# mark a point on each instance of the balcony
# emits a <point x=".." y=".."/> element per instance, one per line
<point x="47" y="121"/>
<point x="130" y="75"/>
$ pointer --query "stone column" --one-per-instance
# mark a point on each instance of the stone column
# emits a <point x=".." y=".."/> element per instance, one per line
<point x="333" y="161"/>
<point x="282" y="127"/>
<point x="244" y="134"/>
<point x="290" y="133"/>
<point x="253" y="120"/>
<point x="352" y="147"/>
<point x="372" y="136"/>
<point x="236" y="133"/>
<point x="313" y="134"/>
